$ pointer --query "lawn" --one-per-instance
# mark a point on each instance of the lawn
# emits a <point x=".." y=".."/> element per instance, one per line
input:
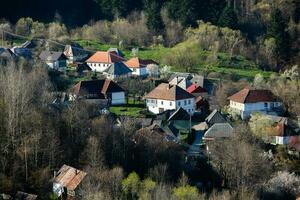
<point x="131" y="109"/>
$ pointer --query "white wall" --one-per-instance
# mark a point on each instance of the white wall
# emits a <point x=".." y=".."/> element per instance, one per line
<point x="139" y="71"/>
<point x="118" y="98"/>
<point x="260" y="106"/>
<point x="98" y="67"/>
<point x="154" y="105"/>
<point x="282" y="140"/>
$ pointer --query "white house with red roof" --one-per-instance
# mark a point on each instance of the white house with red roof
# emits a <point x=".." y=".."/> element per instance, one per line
<point x="169" y="97"/>
<point x="139" y="66"/>
<point x="102" y="60"/>
<point x="248" y="101"/>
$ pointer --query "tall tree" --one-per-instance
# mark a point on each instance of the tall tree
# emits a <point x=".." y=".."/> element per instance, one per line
<point x="154" y="19"/>
<point x="278" y="30"/>
<point x="228" y="18"/>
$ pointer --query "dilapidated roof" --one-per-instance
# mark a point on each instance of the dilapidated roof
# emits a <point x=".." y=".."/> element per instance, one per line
<point x="69" y="177"/>
<point x="52" y="56"/>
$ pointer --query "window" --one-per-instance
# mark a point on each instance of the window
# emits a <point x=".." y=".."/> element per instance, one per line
<point x="170" y="103"/>
<point x="134" y="70"/>
<point x="179" y="104"/>
<point x="189" y="101"/>
<point x="185" y="102"/>
<point x="162" y="102"/>
<point x="189" y="110"/>
<point x="266" y="105"/>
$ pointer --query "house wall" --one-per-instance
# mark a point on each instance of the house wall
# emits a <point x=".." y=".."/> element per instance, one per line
<point x="139" y="71"/>
<point x="245" y="110"/>
<point x="159" y="105"/>
<point x="118" y="98"/>
<point x="282" y="140"/>
<point x="57" y="64"/>
<point x="98" y="67"/>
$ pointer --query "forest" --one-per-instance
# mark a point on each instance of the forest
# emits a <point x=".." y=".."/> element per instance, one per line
<point x="232" y="43"/>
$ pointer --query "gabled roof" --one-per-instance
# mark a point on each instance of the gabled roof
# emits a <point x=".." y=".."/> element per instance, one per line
<point x="179" y="114"/>
<point x="118" y="51"/>
<point x="69" y="177"/>
<point x="139" y="63"/>
<point x="166" y="91"/>
<point x="51" y="56"/>
<point x="105" y="57"/>
<point x="75" y="50"/>
<point x="215" y="117"/>
<point x="25" y="196"/>
<point x="22" y="52"/>
<point x="248" y="95"/>
<point x="194" y="88"/>
<point x="96" y="87"/>
<point x="219" y="130"/>
<point x="118" y="68"/>
<point x="6" y="53"/>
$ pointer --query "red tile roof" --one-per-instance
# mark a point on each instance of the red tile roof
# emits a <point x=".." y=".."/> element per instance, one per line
<point x="248" y="95"/>
<point x="139" y="63"/>
<point x="69" y="177"/>
<point x="194" y="88"/>
<point x="166" y="91"/>
<point x="105" y="57"/>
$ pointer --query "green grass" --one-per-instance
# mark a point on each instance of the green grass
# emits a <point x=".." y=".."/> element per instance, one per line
<point x="239" y="66"/>
<point x="131" y="109"/>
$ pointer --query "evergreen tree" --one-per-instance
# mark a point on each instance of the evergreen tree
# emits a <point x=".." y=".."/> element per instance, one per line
<point x="154" y="19"/>
<point x="228" y="18"/>
<point x="278" y="30"/>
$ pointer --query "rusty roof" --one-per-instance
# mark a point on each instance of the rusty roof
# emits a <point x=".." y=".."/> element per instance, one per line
<point x="248" y="95"/>
<point x="105" y="57"/>
<point x="166" y="91"/>
<point x="194" y="88"/>
<point x="69" y="177"/>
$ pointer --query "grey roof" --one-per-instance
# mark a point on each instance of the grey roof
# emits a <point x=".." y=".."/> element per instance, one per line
<point x="219" y="130"/>
<point x="118" y="51"/>
<point x="22" y="52"/>
<point x="215" y="117"/>
<point x="51" y="55"/>
<point x="179" y="114"/>
<point x="118" y="68"/>
<point x="182" y="75"/>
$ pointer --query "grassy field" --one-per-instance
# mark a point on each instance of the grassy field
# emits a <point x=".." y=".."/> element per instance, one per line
<point x="131" y="109"/>
<point x="224" y="64"/>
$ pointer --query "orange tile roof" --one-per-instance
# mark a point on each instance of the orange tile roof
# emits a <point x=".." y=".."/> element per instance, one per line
<point x="139" y="63"/>
<point x="166" y="91"/>
<point x="69" y="177"/>
<point x="248" y="95"/>
<point x="105" y="57"/>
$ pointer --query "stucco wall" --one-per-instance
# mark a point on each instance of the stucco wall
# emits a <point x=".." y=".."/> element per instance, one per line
<point x="98" y="67"/>
<point x="118" y="98"/>
<point x="187" y="104"/>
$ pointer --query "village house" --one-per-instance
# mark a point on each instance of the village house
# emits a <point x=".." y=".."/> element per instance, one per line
<point x="102" y="60"/>
<point x="278" y="130"/>
<point x="66" y="181"/>
<point x="139" y="66"/>
<point x="248" y="101"/>
<point x="75" y="53"/>
<point x="183" y="81"/>
<point x="101" y="92"/>
<point x="117" y="70"/>
<point x="169" y="97"/>
<point x="54" y="60"/>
